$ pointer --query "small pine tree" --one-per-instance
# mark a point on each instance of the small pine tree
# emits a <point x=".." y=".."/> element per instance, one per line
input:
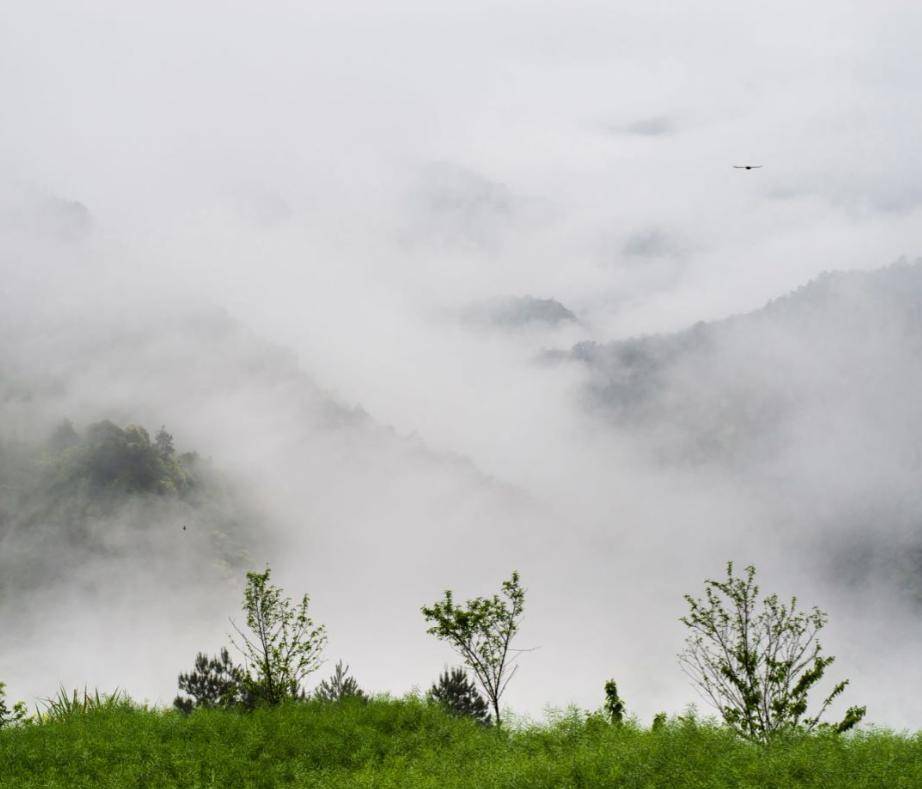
<point x="614" y="704"/>
<point x="339" y="686"/>
<point x="459" y="696"/>
<point x="214" y="682"/>
<point x="164" y="444"/>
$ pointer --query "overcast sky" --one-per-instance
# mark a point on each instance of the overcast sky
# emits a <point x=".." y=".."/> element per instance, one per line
<point x="328" y="169"/>
<point x="347" y="178"/>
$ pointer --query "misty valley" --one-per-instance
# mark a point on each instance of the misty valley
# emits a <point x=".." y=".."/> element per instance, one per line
<point x="139" y="526"/>
<point x="485" y="395"/>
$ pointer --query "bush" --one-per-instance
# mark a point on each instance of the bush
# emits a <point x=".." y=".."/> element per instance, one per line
<point x="10" y="715"/>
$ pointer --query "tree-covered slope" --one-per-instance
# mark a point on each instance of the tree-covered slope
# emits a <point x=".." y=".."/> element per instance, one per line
<point x="110" y="493"/>
<point x="847" y="345"/>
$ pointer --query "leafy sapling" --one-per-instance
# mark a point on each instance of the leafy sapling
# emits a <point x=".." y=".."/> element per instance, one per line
<point x="283" y="645"/>
<point x="757" y="664"/>
<point x="481" y="632"/>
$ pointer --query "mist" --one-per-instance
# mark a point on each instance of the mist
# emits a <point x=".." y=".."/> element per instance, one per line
<point x="314" y="241"/>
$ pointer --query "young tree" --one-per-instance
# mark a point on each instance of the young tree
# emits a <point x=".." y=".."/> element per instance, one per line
<point x="213" y="682"/>
<point x="481" y="632"/>
<point x="459" y="696"/>
<point x="758" y="665"/>
<point x="283" y="645"/>
<point x="339" y="686"/>
<point x="614" y="704"/>
<point x="8" y="715"/>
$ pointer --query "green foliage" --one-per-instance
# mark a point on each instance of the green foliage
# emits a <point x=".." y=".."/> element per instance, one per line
<point x="758" y="665"/>
<point x="339" y="687"/>
<point x="410" y="744"/>
<point x="481" y="632"/>
<point x="109" y="458"/>
<point x="10" y="715"/>
<point x="65" y="704"/>
<point x="283" y="645"/>
<point x="614" y="704"/>
<point x="213" y="682"/>
<point x="458" y="696"/>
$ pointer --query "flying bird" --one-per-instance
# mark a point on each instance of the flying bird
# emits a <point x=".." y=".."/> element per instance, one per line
<point x="746" y="166"/>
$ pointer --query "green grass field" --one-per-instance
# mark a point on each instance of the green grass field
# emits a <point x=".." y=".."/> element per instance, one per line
<point x="407" y="743"/>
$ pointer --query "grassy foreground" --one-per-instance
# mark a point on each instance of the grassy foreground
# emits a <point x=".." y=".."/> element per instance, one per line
<point x="409" y="744"/>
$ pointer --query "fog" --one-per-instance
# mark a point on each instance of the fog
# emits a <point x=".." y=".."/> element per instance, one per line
<point x="301" y="236"/>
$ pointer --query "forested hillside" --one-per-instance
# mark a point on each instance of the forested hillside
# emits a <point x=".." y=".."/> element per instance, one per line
<point x="110" y="493"/>
<point x="742" y="389"/>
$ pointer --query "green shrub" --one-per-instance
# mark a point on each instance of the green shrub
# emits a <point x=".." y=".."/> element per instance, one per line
<point x="10" y="715"/>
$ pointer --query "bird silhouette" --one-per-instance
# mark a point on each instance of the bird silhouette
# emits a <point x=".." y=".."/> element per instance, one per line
<point x="746" y="166"/>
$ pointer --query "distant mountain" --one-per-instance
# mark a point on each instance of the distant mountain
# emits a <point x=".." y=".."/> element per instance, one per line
<point x="809" y="405"/>
<point x="744" y="388"/>
<point x="520" y="311"/>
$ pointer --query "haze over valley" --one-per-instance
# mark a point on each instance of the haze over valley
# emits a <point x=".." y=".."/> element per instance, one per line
<point x="401" y="300"/>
